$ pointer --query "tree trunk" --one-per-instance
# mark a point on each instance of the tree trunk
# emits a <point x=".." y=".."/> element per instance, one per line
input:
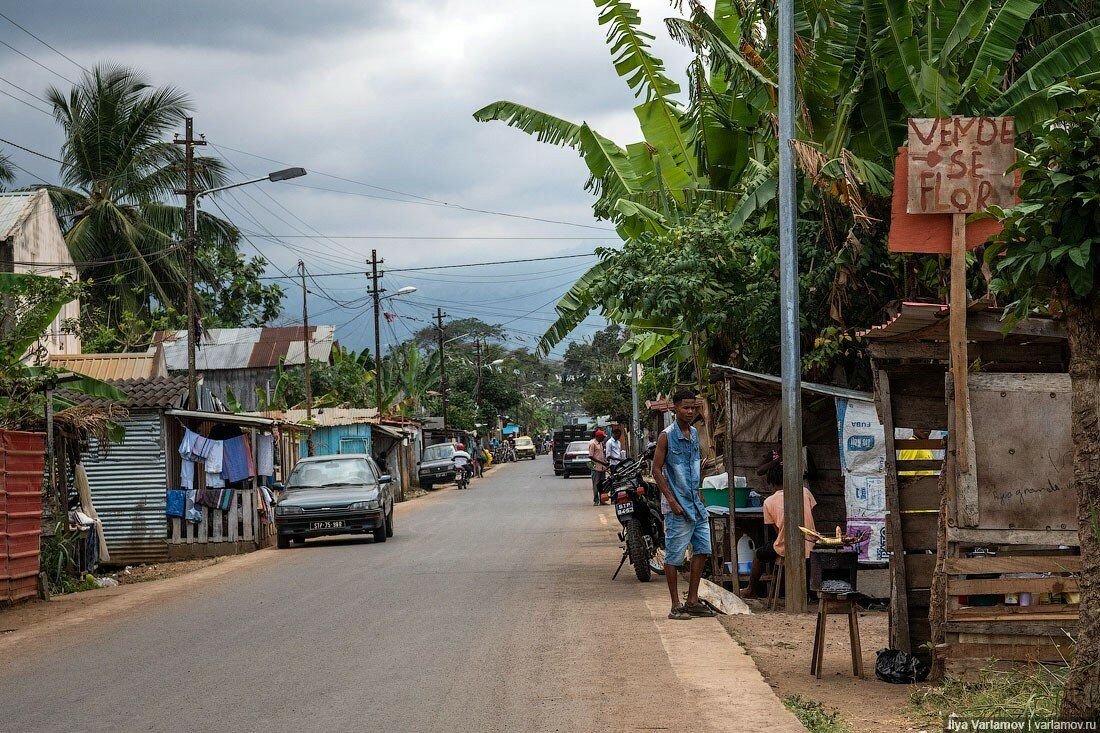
<point x="1082" y="695"/>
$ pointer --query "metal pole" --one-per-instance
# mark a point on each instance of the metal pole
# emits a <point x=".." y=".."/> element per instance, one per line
<point x="442" y="364"/>
<point x="477" y="384"/>
<point x="635" y="424"/>
<point x="305" y="341"/>
<point x="789" y="332"/>
<point x="376" y="294"/>
<point x="190" y="227"/>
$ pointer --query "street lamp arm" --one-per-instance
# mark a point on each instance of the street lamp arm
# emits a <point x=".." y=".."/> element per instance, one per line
<point x="275" y="176"/>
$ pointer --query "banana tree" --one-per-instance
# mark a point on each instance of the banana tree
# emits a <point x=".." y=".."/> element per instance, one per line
<point x="29" y="304"/>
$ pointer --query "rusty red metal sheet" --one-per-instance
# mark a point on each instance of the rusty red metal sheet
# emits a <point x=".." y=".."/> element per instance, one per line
<point x="22" y="460"/>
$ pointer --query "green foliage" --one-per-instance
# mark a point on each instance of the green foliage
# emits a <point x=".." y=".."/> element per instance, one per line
<point x="815" y="716"/>
<point x="59" y="553"/>
<point x="1032" y="692"/>
<point x="1050" y="247"/>
<point x="863" y="68"/>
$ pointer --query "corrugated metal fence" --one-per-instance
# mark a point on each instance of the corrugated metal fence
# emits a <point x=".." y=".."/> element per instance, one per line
<point x="128" y="483"/>
<point x="22" y="459"/>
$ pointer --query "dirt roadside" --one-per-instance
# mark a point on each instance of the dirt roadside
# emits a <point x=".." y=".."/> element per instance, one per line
<point x="782" y="644"/>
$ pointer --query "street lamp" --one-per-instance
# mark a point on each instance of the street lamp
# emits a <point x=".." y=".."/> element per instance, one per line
<point x="376" y="294"/>
<point x="191" y="225"/>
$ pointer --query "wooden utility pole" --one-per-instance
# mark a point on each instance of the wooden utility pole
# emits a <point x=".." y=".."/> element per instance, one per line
<point x="305" y="341"/>
<point x="439" y="316"/>
<point x="190" y="193"/>
<point x="376" y="295"/>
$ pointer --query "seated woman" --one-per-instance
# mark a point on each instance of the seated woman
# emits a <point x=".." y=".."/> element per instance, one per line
<point x="773" y="518"/>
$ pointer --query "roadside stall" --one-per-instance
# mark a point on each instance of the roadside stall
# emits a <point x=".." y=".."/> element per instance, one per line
<point x="751" y="431"/>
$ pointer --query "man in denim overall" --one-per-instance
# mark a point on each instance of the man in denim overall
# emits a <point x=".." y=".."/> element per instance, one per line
<point x="676" y="468"/>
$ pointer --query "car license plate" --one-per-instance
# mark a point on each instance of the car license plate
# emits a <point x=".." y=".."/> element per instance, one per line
<point x="621" y="509"/>
<point x="330" y="524"/>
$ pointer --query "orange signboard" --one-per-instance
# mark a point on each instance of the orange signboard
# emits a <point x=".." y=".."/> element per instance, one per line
<point x="927" y="233"/>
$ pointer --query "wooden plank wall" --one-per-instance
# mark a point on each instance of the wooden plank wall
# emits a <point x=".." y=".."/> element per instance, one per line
<point x="238" y="529"/>
<point x="911" y="396"/>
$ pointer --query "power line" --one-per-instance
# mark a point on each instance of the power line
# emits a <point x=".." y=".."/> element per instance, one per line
<point x="422" y="199"/>
<point x="44" y="43"/>
<point x="37" y="62"/>
<point x="35" y="107"/>
<point x="446" y="267"/>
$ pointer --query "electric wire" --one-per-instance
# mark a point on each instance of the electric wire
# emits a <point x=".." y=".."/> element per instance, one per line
<point x="44" y="43"/>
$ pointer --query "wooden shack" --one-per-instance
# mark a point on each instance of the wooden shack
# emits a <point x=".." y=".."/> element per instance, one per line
<point x="984" y="556"/>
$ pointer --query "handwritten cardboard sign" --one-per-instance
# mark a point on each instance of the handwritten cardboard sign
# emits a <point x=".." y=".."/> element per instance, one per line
<point x="958" y="165"/>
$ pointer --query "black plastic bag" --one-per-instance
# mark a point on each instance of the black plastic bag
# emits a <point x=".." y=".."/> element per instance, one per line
<point x="899" y="668"/>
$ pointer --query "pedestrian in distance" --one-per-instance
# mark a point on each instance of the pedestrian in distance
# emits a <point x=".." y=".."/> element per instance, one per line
<point x="677" y="471"/>
<point x="614" y="448"/>
<point x="597" y="457"/>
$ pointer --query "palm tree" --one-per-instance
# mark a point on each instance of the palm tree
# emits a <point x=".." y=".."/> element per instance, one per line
<point x="7" y="172"/>
<point x="118" y="169"/>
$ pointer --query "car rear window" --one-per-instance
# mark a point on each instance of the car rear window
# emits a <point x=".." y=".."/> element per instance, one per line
<point x="335" y="472"/>
<point x="577" y="446"/>
<point x="440" y="452"/>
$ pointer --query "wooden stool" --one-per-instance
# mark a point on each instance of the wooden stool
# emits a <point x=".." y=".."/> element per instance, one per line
<point x="776" y="582"/>
<point x="836" y="603"/>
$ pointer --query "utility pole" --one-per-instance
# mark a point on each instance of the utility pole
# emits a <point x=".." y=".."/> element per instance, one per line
<point x="635" y="419"/>
<point x="477" y="382"/>
<point x="376" y="294"/>
<point x="190" y="225"/>
<point x="439" y="316"/>
<point x="795" y="565"/>
<point x="305" y="340"/>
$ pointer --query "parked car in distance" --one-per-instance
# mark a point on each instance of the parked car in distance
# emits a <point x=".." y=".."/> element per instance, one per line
<point x="437" y="465"/>
<point x="575" y="459"/>
<point x="525" y="447"/>
<point x="331" y="495"/>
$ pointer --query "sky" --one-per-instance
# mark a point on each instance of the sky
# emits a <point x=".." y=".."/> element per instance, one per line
<point x="374" y="98"/>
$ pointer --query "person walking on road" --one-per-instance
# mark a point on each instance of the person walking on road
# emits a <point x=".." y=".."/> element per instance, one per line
<point x="613" y="448"/>
<point x="598" y="459"/>
<point x="677" y="470"/>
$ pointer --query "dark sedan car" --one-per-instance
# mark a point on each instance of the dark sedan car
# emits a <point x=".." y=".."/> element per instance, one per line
<point x="329" y="495"/>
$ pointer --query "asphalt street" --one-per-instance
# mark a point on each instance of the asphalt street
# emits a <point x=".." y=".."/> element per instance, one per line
<point x="492" y="609"/>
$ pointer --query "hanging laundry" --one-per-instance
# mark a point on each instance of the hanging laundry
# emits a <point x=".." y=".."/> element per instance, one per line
<point x="216" y="457"/>
<point x="265" y="455"/>
<point x="187" y="445"/>
<point x="187" y="474"/>
<point x="192" y="514"/>
<point x="237" y="464"/>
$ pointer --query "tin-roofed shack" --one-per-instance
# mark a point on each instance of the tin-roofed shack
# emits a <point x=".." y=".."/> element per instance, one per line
<point x="980" y="562"/>
<point x="245" y="360"/>
<point x="752" y="409"/>
<point x="129" y="482"/>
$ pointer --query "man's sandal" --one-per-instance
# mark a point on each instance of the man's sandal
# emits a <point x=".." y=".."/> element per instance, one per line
<point x="680" y="613"/>
<point x="700" y="610"/>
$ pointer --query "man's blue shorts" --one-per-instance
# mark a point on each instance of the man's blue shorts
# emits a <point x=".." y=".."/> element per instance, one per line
<point x="679" y="531"/>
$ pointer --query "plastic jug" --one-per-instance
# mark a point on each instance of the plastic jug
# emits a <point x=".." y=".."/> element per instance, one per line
<point x="746" y="551"/>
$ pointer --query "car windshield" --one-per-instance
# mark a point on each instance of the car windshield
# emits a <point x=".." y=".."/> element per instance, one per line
<point x="334" y="473"/>
<point x="525" y="441"/>
<point x="440" y="452"/>
<point x="577" y="446"/>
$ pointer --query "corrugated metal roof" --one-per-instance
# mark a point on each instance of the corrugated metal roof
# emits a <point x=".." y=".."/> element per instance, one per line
<point x="113" y="366"/>
<point x="127" y="485"/>
<point x="230" y="418"/>
<point x="769" y="384"/>
<point x="326" y="416"/>
<point x="13" y="208"/>
<point x="984" y="322"/>
<point x="247" y="348"/>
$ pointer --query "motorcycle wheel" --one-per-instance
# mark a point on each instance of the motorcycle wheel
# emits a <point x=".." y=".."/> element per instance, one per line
<point x="636" y="549"/>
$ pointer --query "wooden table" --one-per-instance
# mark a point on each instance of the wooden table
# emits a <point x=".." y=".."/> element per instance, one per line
<point x="747" y="520"/>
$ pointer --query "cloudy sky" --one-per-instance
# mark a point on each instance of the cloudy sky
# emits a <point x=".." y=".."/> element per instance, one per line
<point x="378" y="95"/>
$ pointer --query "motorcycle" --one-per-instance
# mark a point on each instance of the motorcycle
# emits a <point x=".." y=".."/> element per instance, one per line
<point x="462" y="476"/>
<point x="637" y="503"/>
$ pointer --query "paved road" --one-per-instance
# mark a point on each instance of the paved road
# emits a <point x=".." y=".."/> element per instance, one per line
<point x="490" y="610"/>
